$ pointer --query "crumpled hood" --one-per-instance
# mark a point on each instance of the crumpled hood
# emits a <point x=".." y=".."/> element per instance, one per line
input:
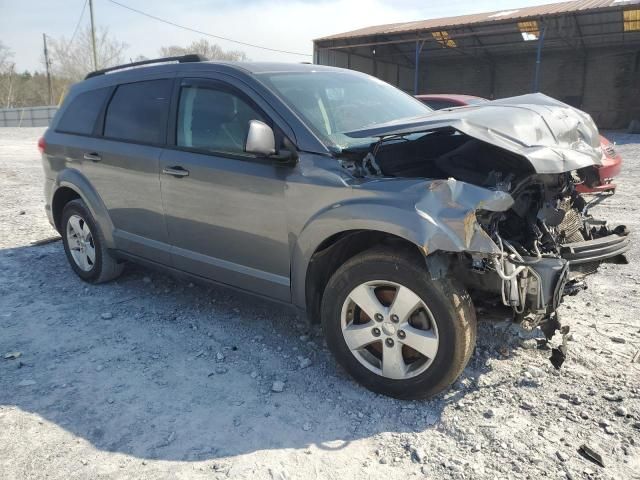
<point x="553" y="136"/>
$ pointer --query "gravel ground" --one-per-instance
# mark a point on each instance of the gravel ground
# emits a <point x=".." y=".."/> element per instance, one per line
<point x="152" y="377"/>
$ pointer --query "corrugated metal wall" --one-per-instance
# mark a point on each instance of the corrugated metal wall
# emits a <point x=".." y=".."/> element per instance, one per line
<point x="604" y="83"/>
<point x="392" y="73"/>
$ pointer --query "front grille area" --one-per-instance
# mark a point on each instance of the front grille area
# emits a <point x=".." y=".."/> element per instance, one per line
<point x="571" y="225"/>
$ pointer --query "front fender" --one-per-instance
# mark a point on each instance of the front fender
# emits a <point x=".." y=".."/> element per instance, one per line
<point x="437" y="215"/>
<point x="76" y="181"/>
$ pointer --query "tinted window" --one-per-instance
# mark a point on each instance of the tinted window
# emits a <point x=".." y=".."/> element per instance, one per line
<point x="138" y="112"/>
<point x="214" y="120"/>
<point x="80" y="116"/>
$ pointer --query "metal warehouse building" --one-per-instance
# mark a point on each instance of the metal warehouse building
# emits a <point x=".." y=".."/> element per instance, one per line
<point x="584" y="52"/>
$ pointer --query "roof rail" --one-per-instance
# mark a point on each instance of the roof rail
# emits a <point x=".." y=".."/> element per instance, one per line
<point x="192" y="57"/>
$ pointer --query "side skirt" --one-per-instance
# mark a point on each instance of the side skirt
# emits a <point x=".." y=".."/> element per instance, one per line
<point x="197" y="278"/>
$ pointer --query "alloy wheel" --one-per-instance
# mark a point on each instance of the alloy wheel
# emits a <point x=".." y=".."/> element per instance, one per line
<point x="80" y="242"/>
<point x="389" y="329"/>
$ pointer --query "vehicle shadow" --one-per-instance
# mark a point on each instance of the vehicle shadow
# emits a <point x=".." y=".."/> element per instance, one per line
<point x="159" y="368"/>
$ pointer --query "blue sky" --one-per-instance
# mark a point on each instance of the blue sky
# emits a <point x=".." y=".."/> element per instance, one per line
<point x="281" y="24"/>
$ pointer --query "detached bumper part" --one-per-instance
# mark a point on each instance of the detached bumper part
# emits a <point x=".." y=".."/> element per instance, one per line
<point x="595" y="250"/>
<point x="545" y="281"/>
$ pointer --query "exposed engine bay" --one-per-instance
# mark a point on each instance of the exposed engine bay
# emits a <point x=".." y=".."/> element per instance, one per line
<point x="546" y="241"/>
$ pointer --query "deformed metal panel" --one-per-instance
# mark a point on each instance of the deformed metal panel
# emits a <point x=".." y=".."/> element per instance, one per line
<point x="552" y="136"/>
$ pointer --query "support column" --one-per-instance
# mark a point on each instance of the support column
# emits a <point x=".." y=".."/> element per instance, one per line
<point x="536" y="77"/>
<point x="492" y="80"/>
<point x="583" y="84"/>
<point x="416" y="69"/>
<point x="416" y="77"/>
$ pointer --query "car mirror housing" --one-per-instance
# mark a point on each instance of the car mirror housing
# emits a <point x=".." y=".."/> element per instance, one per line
<point x="287" y="155"/>
<point x="260" y="139"/>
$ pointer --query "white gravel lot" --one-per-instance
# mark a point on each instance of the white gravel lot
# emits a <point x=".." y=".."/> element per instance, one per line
<point x="152" y="377"/>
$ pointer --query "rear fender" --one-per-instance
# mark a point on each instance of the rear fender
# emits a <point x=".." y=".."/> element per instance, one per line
<point x="77" y="182"/>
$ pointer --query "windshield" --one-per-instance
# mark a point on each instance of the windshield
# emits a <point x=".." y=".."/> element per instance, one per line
<point x="333" y="103"/>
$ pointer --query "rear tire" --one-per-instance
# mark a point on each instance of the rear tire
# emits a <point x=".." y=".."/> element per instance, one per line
<point x="440" y="324"/>
<point x="85" y="247"/>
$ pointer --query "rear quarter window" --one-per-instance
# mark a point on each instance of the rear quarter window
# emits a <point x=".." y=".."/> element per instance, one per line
<point x="138" y="112"/>
<point x="81" y="114"/>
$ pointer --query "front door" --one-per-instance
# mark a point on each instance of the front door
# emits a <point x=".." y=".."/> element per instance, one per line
<point x="224" y="208"/>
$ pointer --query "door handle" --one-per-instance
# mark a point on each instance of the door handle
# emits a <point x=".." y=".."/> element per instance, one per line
<point x="175" y="171"/>
<point x="94" y="157"/>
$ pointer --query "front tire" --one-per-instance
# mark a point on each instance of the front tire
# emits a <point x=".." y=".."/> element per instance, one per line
<point x="396" y="330"/>
<point x="85" y="246"/>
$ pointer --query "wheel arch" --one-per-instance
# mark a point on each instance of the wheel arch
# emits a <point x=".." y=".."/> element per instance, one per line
<point x="61" y="197"/>
<point x="332" y="252"/>
<point x="70" y="185"/>
<point x="352" y="227"/>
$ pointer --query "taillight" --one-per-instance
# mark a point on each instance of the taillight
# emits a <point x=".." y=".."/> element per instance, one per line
<point x="41" y="144"/>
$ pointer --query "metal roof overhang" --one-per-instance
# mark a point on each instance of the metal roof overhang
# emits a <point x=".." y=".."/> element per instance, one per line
<point x="577" y="30"/>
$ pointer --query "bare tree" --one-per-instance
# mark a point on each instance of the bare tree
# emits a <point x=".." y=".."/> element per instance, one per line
<point x="5" y="57"/>
<point x="73" y="61"/>
<point x="205" y="48"/>
<point x="6" y="75"/>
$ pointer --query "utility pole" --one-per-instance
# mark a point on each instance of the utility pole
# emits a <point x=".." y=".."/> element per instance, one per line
<point x="93" y="37"/>
<point x="46" y="63"/>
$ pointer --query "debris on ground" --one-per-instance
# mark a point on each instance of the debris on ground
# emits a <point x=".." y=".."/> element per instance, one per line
<point x="590" y="454"/>
<point x="277" y="386"/>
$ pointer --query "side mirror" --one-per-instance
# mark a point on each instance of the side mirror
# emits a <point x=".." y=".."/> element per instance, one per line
<point x="260" y="139"/>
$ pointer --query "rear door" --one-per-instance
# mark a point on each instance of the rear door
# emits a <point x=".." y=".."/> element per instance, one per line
<point x="224" y="208"/>
<point x="123" y="166"/>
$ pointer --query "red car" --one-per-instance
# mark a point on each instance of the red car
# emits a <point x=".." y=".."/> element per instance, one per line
<point x="444" y="100"/>
<point x="611" y="163"/>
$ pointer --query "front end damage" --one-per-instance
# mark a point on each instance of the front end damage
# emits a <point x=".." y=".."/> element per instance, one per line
<point x="503" y="251"/>
<point x="548" y="242"/>
<point x="529" y="239"/>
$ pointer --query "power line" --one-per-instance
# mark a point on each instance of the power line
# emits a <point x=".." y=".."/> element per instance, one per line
<point x="75" y="30"/>
<point x="206" y="33"/>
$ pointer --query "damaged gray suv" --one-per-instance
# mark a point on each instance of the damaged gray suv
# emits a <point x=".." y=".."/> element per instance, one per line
<point x="337" y="193"/>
